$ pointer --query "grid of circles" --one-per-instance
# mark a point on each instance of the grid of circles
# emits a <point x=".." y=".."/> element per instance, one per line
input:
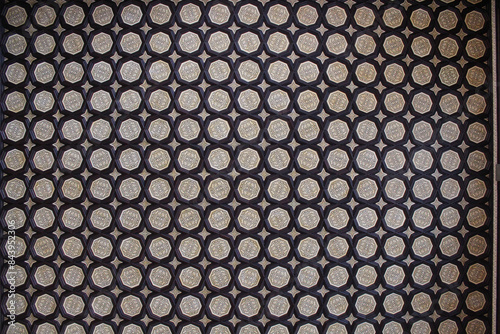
<point x="309" y="167"/>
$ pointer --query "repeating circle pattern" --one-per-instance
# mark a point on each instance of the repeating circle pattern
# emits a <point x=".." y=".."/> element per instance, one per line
<point x="247" y="166"/>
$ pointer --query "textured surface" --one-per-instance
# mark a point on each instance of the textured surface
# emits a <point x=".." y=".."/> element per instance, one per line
<point x="278" y="167"/>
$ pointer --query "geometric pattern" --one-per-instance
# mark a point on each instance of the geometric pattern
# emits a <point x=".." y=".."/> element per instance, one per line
<point x="246" y="166"/>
